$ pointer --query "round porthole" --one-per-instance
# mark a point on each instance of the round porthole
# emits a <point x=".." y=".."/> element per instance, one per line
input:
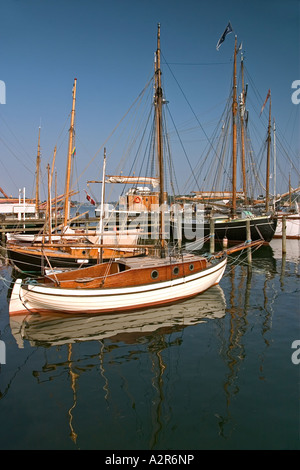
<point x="176" y="270"/>
<point x="83" y="252"/>
<point x="154" y="274"/>
<point x="191" y="267"/>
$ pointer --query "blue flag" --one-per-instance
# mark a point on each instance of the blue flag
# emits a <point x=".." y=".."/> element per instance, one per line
<point x="222" y="38"/>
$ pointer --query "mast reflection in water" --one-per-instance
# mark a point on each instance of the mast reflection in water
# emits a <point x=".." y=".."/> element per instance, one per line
<point x="214" y="372"/>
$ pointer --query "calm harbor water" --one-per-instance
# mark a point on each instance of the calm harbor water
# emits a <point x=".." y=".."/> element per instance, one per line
<point x="214" y="372"/>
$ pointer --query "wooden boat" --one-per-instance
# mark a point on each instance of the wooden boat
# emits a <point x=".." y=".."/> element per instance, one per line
<point x="81" y="252"/>
<point x="124" y="284"/>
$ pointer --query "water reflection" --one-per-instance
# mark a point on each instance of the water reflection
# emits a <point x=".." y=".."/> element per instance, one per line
<point x="111" y="332"/>
<point x="242" y="285"/>
<point x="233" y="349"/>
<point x="127" y="327"/>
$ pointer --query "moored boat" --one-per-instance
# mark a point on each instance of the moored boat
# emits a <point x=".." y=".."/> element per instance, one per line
<point x="118" y="286"/>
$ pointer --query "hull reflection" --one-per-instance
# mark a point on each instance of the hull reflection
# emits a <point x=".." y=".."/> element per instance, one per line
<point x="57" y="330"/>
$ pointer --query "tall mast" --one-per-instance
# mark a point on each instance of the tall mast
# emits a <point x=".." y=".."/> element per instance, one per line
<point x="234" y="134"/>
<point x="53" y="162"/>
<point x="55" y="191"/>
<point x="68" y="174"/>
<point x="38" y="164"/>
<point x="274" y="171"/>
<point x="102" y="206"/>
<point x="49" y="204"/>
<point x="268" y="160"/>
<point x="242" y="113"/>
<point x="159" y="138"/>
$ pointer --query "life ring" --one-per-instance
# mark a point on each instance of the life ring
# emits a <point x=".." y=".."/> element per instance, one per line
<point x="137" y="199"/>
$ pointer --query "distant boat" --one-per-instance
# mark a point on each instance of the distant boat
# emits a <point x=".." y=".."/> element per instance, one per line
<point x="234" y="230"/>
<point x="83" y="251"/>
<point x="221" y="207"/>
<point x="292" y="221"/>
<point x="19" y="208"/>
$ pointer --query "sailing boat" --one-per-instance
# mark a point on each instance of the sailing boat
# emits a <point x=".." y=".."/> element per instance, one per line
<point x="128" y="283"/>
<point x="233" y="226"/>
<point x="70" y="248"/>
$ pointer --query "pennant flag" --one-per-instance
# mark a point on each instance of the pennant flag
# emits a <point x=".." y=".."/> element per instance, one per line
<point x="263" y="106"/>
<point x="90" y="199"/>
<point x="74" y="152"/>
<point x="222" y="38"/>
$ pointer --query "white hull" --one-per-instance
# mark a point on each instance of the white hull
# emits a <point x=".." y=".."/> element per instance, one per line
<point x="29" y="238"/>
<point x="110" y="237"/>
<point x="40" y="299"/>
<point x="292" y="227"/>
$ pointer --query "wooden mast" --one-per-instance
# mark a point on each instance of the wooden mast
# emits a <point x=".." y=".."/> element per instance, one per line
<point x="53" y="162"/>
<point x="55" y="191"/>
<point x="274" y="170"/>
<point x="69" y="161"/>
<point x="49" y="204"/>
<point x="242" y="113"/>
<point x="37" y="187"/>
<point x="102" y="207"/>
<point x="234" y="133"/>
<point x="159" y="138"/>
<point x="268" y="160"/>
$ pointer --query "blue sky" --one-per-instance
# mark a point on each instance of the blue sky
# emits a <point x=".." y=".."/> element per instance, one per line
<point x="109" y="47"/>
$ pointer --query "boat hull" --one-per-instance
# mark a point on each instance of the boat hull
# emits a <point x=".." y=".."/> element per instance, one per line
<point x="42" y="299"/>
<point x="31" y="260"/>
<point x="292" y="227"/>
<point x="235" y="230"/>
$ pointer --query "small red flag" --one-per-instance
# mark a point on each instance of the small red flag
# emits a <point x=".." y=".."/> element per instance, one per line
<point x="90" y="199"/>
